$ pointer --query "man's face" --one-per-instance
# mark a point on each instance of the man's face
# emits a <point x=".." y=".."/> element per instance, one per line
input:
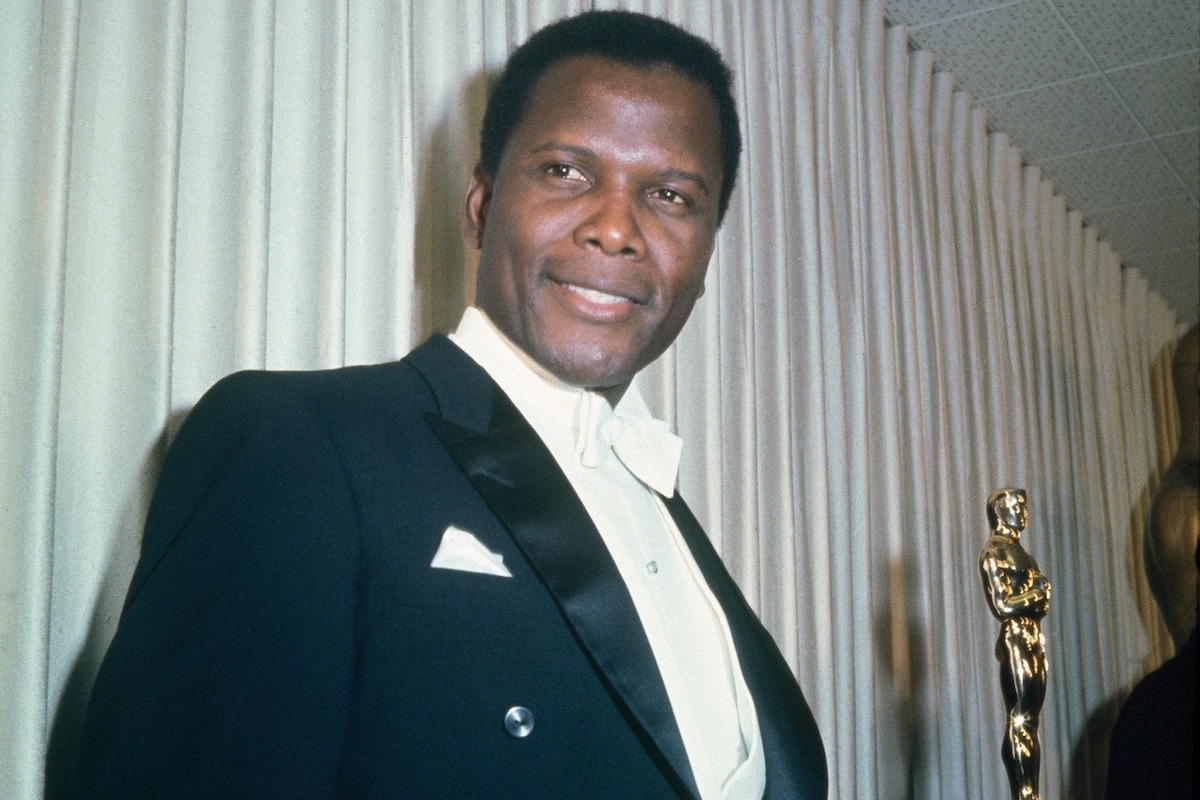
<point x="596" y="231"/>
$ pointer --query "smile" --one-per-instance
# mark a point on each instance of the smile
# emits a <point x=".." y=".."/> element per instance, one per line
<point x="594" y="305"/>
<point x="596" y="296"/>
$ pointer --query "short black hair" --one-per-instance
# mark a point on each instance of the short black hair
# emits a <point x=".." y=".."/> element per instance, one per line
<point x="623" y="36"/>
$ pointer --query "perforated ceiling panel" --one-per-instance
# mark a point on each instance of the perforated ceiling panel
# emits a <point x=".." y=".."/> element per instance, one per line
<point x="1157" y="92"/>
<point x="1104" y="95"/>
<point x="1062" y="118"/>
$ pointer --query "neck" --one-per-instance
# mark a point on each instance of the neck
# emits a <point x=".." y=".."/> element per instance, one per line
<point x="613" y="394"/>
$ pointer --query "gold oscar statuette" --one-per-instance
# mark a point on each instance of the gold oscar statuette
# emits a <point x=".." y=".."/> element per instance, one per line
<point x="1019" y="596"/>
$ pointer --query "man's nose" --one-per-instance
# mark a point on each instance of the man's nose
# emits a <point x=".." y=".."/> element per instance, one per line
<point x="612" y="226"/>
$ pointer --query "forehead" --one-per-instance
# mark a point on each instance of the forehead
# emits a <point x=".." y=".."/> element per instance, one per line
<point x="596" y="97"/>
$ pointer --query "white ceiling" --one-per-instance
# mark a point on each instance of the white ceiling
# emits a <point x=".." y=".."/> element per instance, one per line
<point x="1104" y="95"/>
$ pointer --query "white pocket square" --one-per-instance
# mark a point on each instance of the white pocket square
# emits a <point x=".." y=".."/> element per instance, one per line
<point x="460" y="550"/>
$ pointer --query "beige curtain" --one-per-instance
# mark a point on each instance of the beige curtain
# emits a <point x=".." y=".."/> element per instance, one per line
<point x="900" y="318"/>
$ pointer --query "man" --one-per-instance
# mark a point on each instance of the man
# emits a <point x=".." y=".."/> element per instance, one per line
<point x="1019" y="596"/>
<point x="1154" y="741"/>
<point x="468" y="574"/>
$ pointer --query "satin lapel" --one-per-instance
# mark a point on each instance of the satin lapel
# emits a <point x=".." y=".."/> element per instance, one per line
<point x="524" y="487"/>
<point x="794" y="752"/>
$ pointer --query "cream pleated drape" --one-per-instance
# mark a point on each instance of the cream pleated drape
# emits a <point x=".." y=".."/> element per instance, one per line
<point x="900" y="317"/>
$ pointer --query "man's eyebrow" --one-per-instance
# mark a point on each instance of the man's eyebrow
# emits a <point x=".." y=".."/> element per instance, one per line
<point x="684" y="175"/>
<point x="582" y="152"/>
<point x="587" y="153"/>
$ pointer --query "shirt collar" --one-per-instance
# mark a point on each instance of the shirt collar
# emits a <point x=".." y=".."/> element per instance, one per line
<point x="572" y="421"/>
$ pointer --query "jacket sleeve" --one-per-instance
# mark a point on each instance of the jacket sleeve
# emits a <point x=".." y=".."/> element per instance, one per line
<point x="231" y="671"/>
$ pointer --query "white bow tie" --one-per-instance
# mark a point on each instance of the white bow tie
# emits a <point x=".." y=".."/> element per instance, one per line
<point x="644" y="445"/>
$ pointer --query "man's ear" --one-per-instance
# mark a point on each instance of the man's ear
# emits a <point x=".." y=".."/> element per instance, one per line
<point x="479" y="198"/>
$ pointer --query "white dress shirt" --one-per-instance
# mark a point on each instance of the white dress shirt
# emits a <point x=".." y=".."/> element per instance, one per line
<point x="619" y="461"/>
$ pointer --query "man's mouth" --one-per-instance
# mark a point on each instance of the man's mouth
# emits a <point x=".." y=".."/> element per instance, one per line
<point x="596" y="305"/>
<point x="595" y="295"/>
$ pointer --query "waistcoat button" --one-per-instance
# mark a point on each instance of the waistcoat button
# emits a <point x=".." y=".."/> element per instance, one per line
<point x="518" y="722"/>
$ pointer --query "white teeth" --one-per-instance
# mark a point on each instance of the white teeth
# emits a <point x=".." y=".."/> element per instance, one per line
<point x="602" y="298"/>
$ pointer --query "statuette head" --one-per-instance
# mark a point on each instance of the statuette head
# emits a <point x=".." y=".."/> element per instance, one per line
<point x="1007" y="508"/>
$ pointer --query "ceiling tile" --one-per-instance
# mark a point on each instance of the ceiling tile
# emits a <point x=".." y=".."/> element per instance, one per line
<point x="1082" y="114"/>
<point x="1183" y="153"/>
<point x="1115" y="176"/>
<point x="1005" y="49"/>
<point x="1120" y="32"/>
<point x="1162" y="224"/>
<point x="1164" y="95"/>
<point x="1035" y="64"/>
<point x="1175" y="275"/>
<point x="921" y="12"/>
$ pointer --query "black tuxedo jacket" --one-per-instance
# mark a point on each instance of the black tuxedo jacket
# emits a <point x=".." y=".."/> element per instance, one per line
<point x="285" y="636"/>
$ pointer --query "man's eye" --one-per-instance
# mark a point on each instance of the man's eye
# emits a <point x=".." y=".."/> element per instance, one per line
<point x="565" y="172"/>
<point x="671" y="196"/>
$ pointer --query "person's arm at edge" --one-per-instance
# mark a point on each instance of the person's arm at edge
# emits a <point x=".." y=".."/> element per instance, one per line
<point x="231" y="671"/>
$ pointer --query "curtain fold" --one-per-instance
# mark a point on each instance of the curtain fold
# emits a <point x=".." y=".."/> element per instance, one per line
<point x="899" y="318"/>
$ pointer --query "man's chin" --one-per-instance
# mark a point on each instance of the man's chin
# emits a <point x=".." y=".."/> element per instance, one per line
<point x="596" y="380"/>
<point x="593" y="369"/>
